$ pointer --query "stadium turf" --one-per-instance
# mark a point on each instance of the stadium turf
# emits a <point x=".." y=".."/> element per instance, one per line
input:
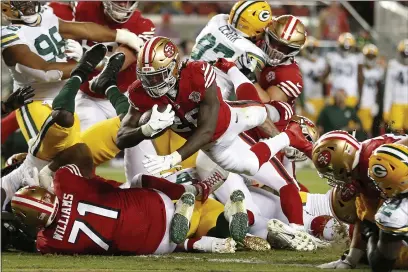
<point x="275" y="260"/>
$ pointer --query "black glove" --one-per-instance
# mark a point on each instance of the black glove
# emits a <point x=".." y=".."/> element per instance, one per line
<point x="17" y="99"/>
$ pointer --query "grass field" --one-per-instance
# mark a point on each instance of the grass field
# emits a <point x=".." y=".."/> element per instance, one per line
<point x="275" y="260"/>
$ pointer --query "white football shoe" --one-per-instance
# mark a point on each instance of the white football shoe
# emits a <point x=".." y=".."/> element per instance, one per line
<point x="236" y="214"/>
<point x="180" y="224"/>
<point x="281" y="235"/>
<point x="215" y="245"/>
<point x="318" y="243"/>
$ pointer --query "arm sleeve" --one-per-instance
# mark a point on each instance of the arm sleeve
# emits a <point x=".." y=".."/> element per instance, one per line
<point x="10" y="36"/>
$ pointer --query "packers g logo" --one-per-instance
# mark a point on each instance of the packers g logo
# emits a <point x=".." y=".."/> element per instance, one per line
<point x="379" y="170"/>
<point x="264" y="15"/>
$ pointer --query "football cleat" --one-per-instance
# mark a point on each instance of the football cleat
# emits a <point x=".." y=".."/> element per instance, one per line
<point x="314" y="241"/>
<point x="108" y="77"/>
<point x="218" y="245"/>
<point x="236" y="214"/>
<point x="255" y="243"/>
<point x="224" y="64"/>
<point x="208" y="185"/>
<point x="180" y="224"/>
<point x="89" y="61"/>
<point x="281" y="235"/>
<point x="298" y="139"/>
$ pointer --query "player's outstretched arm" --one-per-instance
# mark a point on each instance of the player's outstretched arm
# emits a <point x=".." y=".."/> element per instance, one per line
<point x="206" y="123"/>
<point x="21" y="54"/>
<point x="130" y="134"/>
<point x="98" y="33"/>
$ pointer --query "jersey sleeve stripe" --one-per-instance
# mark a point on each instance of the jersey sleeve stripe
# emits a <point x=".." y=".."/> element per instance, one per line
<point x="294" y="86"/>
<point x="73" y="169"/>
<point x="287" y="89"/>
<point x="210" y="79"/>
<point x="7" y="39"/>
<point x="287" y="108"/>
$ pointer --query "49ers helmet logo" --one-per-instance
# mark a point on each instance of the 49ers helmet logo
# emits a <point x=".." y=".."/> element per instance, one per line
<point x="379" y="170"/>
<point x="324" y="158"/>
<point x="169" y="49"/>
<point x="264" y="15"/>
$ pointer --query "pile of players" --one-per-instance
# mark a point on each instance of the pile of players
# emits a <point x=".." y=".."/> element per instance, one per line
<point x="241" y="152"/>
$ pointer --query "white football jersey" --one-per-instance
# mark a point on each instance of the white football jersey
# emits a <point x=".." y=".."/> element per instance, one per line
<point x="311" y="70"/>
<point x="219" y="40"/>
<point x="344" y="72"/>
<point x="396" y="84"/>
<point x="45" y="41"/>
<point x="370" y="88"/>
<point x="392" y="216"/>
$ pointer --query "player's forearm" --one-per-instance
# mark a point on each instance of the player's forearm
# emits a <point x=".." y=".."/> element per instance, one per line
<point x="87" y="31"/>
<point x="199" y="139"/>
<point x="263" y="95"/>
<point x="65" y="67"/>
<point x="129" y="137"/>
<point x="269" y="128"/>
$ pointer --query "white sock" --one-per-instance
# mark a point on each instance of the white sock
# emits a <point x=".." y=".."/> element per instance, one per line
<point x="277" y="143"/>
<point x="11" y="183"/>
<point x="237" y="77"/>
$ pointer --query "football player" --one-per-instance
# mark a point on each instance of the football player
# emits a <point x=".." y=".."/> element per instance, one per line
<point x="373" y="75"/>
<point x="312" y="67"/>
<point x="388" y="167"/>
<point x="33" y="48"/>
<point x="396" y="85"/>
<point x="346" y="69"/>
<point x="200" y="114"/>
<point x="342" y="160"/>
<point x="233" y="35"/>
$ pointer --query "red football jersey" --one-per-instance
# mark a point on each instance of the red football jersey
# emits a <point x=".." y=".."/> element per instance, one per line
<point x="95" y="217"/>
<point x="93" y="11"/>
<point x="368" y="147"/>
<point x="194" y="79"/>
<point x="62" y="10"/>
<point x="288" y="78"/>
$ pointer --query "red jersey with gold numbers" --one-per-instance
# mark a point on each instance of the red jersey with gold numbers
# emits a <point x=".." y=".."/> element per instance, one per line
<point x="95" y="217"/>
<point x="93" y="11"/>
<point x="288" y="78"/>
<point x="194" y="79"/>
<point x="368" y="146"/>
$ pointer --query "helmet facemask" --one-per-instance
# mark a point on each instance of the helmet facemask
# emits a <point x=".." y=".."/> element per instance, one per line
<point x="26" y="11"/>
<point x="118" y="13"/>
<point x="277" y="51"/>
<point x="160" y="82"/>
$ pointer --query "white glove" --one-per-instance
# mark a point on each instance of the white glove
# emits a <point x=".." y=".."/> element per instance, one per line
<point x="156" y="164"/>
<point x="46" y="177"/>
<point x="158" y="121"/>
<point x="294" y="155"/>
<point x="339" y="264"/>
<point x="124" y="36"/>
<point x="73" y="50"/>
<point x="246" y="61"/>
<point x="30" y="177"/>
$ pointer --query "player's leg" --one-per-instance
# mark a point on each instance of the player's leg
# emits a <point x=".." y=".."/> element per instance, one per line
<point x="134" y="157"/>
<point x="366" y="119"/>
<point x="31" y="117"/>
<point x="88" y="111"/>
<point x="396" y="119"/>
<point x="351" y="101"/>
<point x="406" y="119"/>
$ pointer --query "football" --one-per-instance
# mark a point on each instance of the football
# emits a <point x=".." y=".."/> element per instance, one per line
<point x="146" y="115"/>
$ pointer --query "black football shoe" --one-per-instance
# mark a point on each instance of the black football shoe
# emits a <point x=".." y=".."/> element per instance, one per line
<point x="89" y="61"/>
<point x="108" y="77"/>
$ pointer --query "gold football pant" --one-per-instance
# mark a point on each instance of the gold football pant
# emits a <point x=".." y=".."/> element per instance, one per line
<point x="366" y="118"/>
<point x="170" y="142"/>
<point x="398" y="117"/>
<point x="204" y="217"/>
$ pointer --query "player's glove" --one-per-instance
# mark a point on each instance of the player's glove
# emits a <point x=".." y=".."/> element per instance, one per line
<point x="339" y="264"/>
<point x="73" y="50"/>
<point x="17" y="99"/>
<point x="294" y="155"/>
<point x="156" y="164"/>
<point x="158" y="121"/>
<point x="124" y="36"/>
<point x="46" y="177"/>
<point x="247" y="65"/>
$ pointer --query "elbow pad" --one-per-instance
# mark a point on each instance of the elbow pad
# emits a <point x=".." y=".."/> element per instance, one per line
<point x="39" y="75"/>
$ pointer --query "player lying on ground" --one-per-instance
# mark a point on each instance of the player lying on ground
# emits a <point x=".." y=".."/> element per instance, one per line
<point x="134" y="220"/>
<point x="389" y="171"/>
<point x="340" y="158"/>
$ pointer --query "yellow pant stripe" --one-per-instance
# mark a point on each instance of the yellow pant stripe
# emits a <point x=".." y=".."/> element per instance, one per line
<point x="28" y="122"/>
<point x="46" y="126"/>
